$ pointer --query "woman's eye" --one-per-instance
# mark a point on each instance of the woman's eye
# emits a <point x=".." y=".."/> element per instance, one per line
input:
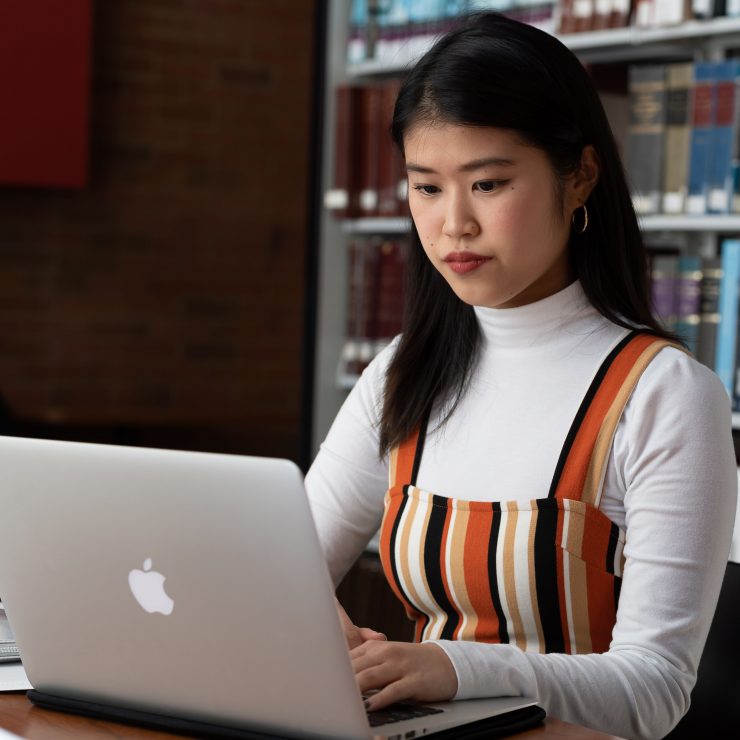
<point x="427" y="189"/>
<point x="487" y="186"/>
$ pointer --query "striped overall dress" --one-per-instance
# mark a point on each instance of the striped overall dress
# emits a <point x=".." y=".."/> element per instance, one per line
<point x="542" y="574"/>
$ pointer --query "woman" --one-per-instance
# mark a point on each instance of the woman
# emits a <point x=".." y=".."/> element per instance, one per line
<point x="552" y="451"/>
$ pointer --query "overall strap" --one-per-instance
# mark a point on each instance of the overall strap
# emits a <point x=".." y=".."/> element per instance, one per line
<point x="406" y="457"/>
<point x="579" y="473"/>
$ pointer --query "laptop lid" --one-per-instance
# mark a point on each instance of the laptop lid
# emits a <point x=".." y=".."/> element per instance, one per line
<point x="182" y="583"/>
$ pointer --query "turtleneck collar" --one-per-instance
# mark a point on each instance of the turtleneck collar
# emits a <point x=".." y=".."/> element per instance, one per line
<point x="531" y="324"/>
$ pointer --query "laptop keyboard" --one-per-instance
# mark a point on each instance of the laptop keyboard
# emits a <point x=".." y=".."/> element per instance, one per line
<point x="399" y="712"/>
<point x="8" y="651"/>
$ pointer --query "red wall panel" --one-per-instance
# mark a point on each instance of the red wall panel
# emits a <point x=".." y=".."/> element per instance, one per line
<point x="45" y="51"/>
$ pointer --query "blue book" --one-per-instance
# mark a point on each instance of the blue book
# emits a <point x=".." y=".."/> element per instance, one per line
<point x="689" y="300"/>
<point x="702" y="122"/>
<point x="729" y="290"/>
<point x="724" y="136"/>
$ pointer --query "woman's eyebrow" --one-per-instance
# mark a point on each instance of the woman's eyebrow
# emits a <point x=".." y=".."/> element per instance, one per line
<point x="475" y="164"/>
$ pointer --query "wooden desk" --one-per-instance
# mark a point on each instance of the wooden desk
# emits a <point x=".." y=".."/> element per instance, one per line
<point x="18" y="715"/>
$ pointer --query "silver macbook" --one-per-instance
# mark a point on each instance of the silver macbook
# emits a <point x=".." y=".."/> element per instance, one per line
<point x="185" y="584"/>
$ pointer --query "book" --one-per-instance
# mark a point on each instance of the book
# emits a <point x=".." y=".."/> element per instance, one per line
<point x="644" y="15"/>
<point x="724" y="136"/>
<point x="342" y="198"/>
<point x="689" y="300"/>
<point x="663" y="284"/>
<point x="370" y="98"/>
<point x="647" y="89"/>
<point x="709" y="311"/>
<point x="677" y="137"/>
<point x="724" y="364"/>
<point x="620" y="15"/>
<point x="700" y="148"/>
<point x="390" y="163"/>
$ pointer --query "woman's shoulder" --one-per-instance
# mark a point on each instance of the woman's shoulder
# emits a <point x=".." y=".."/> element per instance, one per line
<point x="676" y="382"/>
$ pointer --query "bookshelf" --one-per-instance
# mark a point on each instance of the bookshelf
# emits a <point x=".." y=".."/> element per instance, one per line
<point x="693" y="41"/>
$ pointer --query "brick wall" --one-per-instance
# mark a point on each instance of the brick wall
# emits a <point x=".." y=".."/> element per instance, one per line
<point x="167" y="295"/>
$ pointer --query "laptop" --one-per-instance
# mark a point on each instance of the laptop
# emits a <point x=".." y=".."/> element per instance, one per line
<point x="183" y="584"/>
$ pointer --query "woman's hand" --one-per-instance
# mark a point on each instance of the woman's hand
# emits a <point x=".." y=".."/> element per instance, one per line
<point x="402" y="670"/>
<point x="356" y="636"/>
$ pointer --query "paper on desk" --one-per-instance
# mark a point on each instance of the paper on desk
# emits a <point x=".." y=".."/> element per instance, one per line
<point x="13" y="678"/>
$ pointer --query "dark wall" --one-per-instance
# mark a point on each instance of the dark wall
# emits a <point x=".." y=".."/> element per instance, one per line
<point x="163" y="303"/>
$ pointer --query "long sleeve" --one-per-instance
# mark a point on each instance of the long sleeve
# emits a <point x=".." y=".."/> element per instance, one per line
<point x="673" y="464"/>
<point x="348" y="480"/>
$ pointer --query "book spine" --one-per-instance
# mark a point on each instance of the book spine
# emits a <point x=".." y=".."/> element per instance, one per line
<point x="709" y="311"/>
<point x="689" y="299"/>
<point x="663" y="283"/>
<point x="620" y="15"/>
<point x="677" y="137"/>
<point x="567" y="22"/>
<point x="728" y="305"/>
<point x="341" y="199"/>
<point x="733" y="8"/>
<point x="702" y="8"/>
<point x="583" y="14"/>
<point x="644" y="15"/>
<point x="602" y="14"/>
<point x="388" y="155"/>
<point x="645" y="136"/>
<point x="723" y="139"/>
<point x="370" y="105"/>
<point x="702" y="122"/>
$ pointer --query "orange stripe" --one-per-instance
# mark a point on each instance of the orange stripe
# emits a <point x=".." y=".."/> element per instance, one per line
<point x="572" y="480"/>
<point x="477" y="576"/>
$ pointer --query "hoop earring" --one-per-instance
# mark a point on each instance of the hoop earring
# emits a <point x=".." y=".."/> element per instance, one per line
<point x="585" y="220"/>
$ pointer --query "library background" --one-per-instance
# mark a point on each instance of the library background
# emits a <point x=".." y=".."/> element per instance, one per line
<point x="203" y="235"/>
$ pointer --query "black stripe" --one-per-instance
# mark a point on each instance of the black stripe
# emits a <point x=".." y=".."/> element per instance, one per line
<point x="611" y="550"/>
<point x="420" y="446"/>
<point x="581" y="413"/>
<point x="503" y="632"/>
<point x="432" y="565"/>
<point x="617" y="591"/>
<point x="392" y="556"/>
<point x="546" y="575"/>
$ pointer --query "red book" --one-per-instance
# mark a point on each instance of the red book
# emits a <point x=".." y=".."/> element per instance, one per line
<point x="389" y="164"/>
<point x="567" y="19"/>
<point x="391" y="275"/>
<point x="342" y="199"/>
<point x="370" y="131"/>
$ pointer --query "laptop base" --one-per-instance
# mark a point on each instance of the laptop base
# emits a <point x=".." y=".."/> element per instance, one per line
<point x="500" y="726"/>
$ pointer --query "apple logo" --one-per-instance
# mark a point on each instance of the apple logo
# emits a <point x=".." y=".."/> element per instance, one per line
<point x="147" y="586"/>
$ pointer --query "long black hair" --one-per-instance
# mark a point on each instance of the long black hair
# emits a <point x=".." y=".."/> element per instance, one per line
<point x="493" y="71"/>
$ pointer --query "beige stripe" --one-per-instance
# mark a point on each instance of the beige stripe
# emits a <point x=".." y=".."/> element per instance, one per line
<point x="509" y="579"/>
<point x="532" y="582"/>
<point x="579" y="606"/>
<point x="402" y="552"/>
<point x="576" y="525"/>
<point x="593" y="484"/>
<point x="392" y="467"/>
<point x="455" y="560"/>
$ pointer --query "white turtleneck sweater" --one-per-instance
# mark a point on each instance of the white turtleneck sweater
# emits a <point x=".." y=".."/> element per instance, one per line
<point x="670" y="483"/>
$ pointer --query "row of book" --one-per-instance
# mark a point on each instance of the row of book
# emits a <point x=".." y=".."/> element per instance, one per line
<point x="375" y="294"/>
<point x="369" y="174"/>
<point x="683" y="137"/>
<point x="574" y="16"/>
<point x="699" y="299"/>
<point x="379" y="29"/>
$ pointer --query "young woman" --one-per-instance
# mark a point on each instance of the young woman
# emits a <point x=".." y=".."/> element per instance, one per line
<point x="552" y="452"/>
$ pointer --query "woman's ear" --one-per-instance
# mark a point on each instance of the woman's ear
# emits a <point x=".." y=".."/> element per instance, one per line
<point x="584" y="180"/>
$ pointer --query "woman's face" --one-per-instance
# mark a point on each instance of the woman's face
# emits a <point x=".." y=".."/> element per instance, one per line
<point x="485" y="207"/>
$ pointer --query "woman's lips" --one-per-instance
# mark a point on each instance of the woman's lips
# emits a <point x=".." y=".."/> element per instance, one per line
<point x="465" y="262"/>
